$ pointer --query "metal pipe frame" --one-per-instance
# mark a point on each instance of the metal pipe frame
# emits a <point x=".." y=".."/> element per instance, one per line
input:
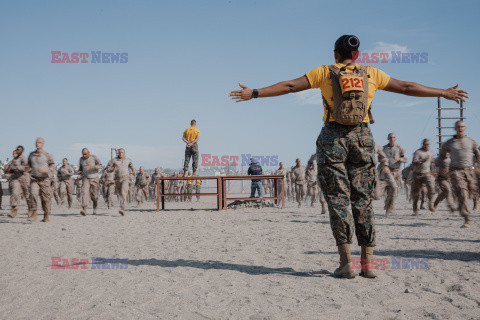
<point x="221" y="194"/>
<point x="161" y="186"/>
<point x="276" y="198"/>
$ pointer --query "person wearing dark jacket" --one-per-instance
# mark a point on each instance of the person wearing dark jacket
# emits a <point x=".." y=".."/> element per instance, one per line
<point x="255" y="170"/>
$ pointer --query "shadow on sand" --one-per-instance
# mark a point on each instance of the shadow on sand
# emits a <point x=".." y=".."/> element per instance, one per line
<point x="218" y="265"/>
<point x="465" y="256"/>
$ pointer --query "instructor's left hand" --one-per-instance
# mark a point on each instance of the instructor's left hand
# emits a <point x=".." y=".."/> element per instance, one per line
<point x="242" y="95"/>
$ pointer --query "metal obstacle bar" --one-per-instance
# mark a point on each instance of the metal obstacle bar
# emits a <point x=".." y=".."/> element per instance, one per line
<point x="276" y="197"/>
<point x="161" y="190"/>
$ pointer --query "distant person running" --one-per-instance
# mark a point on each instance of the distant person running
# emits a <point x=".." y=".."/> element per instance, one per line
<point x="191" y="137"/>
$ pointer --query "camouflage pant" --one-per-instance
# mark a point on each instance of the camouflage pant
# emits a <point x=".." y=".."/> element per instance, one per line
<point x="66" y="190"/>
<point x="122" y="187"/>
<point x="41" y="188"/>
<point x="312" y="190"/>
<point x="142" y="193"/>
<point x="346" y="171"/>
<point x="190" y="190"/>
<point x="418" y="182"/>
<point x="197" y="190"/>
<point x="387" y="187"/>
<point x="90" y="191"/>
<point x="300" y="191"/>
<point x="19" y="187"/>
<point x="109" y="192"/>
<point x="464" y="182"/>
<point x="191" y="152"/>
<point x="55" y="191"/>
<point x="393" y="187"/>
<point x="445" y="192"/>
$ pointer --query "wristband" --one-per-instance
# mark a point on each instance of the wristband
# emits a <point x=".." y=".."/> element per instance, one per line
<point x="255" y="93"/>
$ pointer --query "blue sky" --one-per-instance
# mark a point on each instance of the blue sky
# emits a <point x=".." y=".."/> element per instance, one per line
<point x="184" y="58"/>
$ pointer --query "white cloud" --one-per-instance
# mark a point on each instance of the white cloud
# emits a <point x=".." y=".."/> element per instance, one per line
<point x="388" y="47"/>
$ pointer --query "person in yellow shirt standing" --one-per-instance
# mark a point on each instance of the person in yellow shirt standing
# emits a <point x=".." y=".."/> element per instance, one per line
<point x="345" y="146"/>
<point x="191" y="137"/>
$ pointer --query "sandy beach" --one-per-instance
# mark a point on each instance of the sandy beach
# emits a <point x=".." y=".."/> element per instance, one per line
<point x="236" y="264"/>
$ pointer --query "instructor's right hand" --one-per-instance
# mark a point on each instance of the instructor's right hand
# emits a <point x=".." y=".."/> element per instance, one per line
<point x="241" y="95"/>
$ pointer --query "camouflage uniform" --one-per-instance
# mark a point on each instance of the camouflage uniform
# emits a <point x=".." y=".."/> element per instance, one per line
<point x="142" y="182"/>
<point x="190" y="187"/>
<point x="266" y="186"/>
<point x="123" y="169"/>
<point x="78" y="187"/>
<point x="312" y="185"/>
<point x="288" y="186"/>
<point x="407" y="181"/>
<point x="283" y="172"/>
<point x="108" y="181"/>
<point x="386" y="182"/>
<point x="346" y="171"/>
<point x="443" y="183"/>
<point x="90" y="180"/>
<point x="299" y="174"/>
<point x="392" y="186"/>
<point x="191" y="152"/>
<point x="55" y="195"/>
<point x="65" y="174"/>
<point x="153" y="185"/>
<point x="422" y="167"/>
<point x="19" y="180"/>
<point x="198" y="187"/>
<point x="462" y="171"/>
<point x="40" y="185"/>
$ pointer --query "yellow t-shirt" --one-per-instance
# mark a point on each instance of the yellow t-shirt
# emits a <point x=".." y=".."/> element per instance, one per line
<point x="191" y="134"/>
<point x="199" y="182"/>
<point x="320" y="78"/>
<point x="190" y="181"/>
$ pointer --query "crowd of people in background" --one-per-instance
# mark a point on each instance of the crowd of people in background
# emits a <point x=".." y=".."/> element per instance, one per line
<point x="37" y="180"/>
<point x="452" y="177"/>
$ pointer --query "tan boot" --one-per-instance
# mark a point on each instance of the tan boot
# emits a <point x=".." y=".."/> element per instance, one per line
<point x="345" y="269"/>
<point x="468" y="222"/>
<point x="367" y="254"/>
<point x="33" y="215"/>
<point x="13" y="213"/>
<point x="83" y="212"/>
<point x="415" y="209"/>
<point x="45" y="217"/>
<point x="436" y="203"/>
<point x="431" y="207"/>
